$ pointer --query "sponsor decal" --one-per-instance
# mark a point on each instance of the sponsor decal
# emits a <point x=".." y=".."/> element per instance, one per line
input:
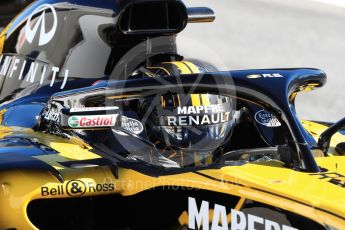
<point x="196" y="120"/>
<point x="90" y="109"/>
<point x="52" y="115"/>
<point x="198" y="217"/>
<point x="254" y="76"/>
<point x="132" y="125"/>
<point x="332" y="177"/>
<point x="92" y="121"/>
<point x="198" y="115"/>
<point x="267" y="119"/>
<point x="35" y="71"/>
<point x="208" y="109"/>
<point x="32" y="26"/>
<point x="75" y="188"/>
<point x="265" y="75"/>
<point x="73" y="122"/>
<point x="30" y="71"/>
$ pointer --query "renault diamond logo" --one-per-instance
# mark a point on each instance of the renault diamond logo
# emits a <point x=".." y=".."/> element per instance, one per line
<point x="31" y="30"/>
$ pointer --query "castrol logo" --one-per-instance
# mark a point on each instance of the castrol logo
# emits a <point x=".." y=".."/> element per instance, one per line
<point x="92" y="121"/>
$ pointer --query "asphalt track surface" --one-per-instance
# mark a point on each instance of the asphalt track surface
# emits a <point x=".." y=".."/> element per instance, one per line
<point x="251" y="34"/>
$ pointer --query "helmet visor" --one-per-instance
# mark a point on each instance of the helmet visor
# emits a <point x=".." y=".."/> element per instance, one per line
<point x="197" y="138"/>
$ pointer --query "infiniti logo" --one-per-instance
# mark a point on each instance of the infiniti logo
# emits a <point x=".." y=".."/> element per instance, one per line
<point x="44" y="36"/>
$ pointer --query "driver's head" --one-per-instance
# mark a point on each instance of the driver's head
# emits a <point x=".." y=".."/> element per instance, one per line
<point x="189" y="128"/>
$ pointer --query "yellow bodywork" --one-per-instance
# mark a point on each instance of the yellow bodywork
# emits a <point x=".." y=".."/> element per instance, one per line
<point x="315" y="129"/>
<point x="306" y="194"/>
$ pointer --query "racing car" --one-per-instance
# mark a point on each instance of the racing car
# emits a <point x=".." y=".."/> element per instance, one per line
<point x="104" y="125"/>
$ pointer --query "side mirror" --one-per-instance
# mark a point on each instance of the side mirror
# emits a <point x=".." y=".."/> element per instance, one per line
<point x="325" y="137"/>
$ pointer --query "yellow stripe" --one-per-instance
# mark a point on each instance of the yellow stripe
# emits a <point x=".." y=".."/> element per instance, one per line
<point x="238" y="207"/>
<point x="186" y="67"/>
<point x="163" y="101"/>
<point x="123" y="96"/>
<point x="3" y="36"/>
<point x="195" y="99"/>
<point x="2" y="43"/>
<point x="149" y="74"/>
<point x="192" y="66"/>
<point x="2" y="112"/>
<point x="173" y="99"/>
<point x="4" y="32"/>
<point x="205" y="99"/>
<point x="159" y="67"/>
<point x="182" y="67"/>
<point x="240" y="203"/>
<point x="179" y="100"/>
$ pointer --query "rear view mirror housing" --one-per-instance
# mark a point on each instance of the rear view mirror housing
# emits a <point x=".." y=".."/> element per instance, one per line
<point x="200" y="14"/>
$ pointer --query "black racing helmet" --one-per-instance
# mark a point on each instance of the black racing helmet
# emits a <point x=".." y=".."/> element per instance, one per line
<point x="188" y="127"/>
